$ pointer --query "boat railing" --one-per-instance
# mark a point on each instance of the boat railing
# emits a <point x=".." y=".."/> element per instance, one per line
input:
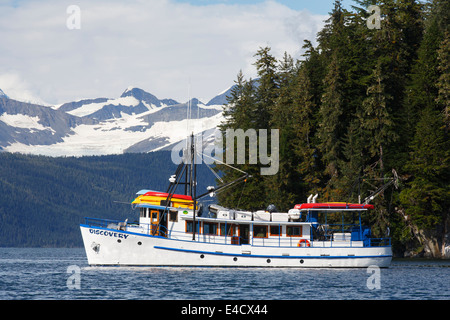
<point x="326" y="239"/>
<point x="103" y="223"/>
<point x="378" y="242"/>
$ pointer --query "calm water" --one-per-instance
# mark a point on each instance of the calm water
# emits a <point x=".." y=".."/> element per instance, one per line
<point x="43" y="274"/>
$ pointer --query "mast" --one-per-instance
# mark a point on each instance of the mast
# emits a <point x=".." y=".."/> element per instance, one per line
<point x="193" y="183"/>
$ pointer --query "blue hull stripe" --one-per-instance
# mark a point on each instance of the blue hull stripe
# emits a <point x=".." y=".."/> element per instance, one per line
<point x="269" y="256"/>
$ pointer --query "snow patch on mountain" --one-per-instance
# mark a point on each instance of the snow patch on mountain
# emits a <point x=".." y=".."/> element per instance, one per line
<point x="22" y="121"/>
<point x="116" y="136"/>
<point x="90" y="108"/>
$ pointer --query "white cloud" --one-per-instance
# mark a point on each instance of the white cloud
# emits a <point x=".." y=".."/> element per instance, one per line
<point x="19" y="89"/>
<point x="158" y="45"/>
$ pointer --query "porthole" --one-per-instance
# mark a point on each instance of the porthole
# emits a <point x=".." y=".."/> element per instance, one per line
<point x="202" y="256"/>
<point x="268" y="260"/>
<point x="139" y="243"/>
<point x="301" y="261"/>
<point x="234" y="259"/>
<point x="119" y="241"/>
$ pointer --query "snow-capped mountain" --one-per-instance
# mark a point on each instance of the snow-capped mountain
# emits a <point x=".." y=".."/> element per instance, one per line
<point x="137" y="121"/>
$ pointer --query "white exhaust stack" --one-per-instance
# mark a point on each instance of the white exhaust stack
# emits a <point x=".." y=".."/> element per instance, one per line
<point x="314" y="198"/>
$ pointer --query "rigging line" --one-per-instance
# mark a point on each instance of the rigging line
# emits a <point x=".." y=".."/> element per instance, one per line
<point x="172" y="192"/>
<point x="242" y="192"/>
<point x="121" y="202"/>
<point x="221" y="162"/>
<point x="214" y="173"/>
<point x="224" y="186"/>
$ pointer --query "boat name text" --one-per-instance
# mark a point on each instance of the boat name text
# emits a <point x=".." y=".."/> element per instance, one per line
<point x="109" y="233"/>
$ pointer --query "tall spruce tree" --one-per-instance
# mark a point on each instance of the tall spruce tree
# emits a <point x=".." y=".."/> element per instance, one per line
<point x="427" y="198"/>
<point x="330" y="124"/>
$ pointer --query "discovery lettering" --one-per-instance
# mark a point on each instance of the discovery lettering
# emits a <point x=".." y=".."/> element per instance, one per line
<point x="109" y="233"/>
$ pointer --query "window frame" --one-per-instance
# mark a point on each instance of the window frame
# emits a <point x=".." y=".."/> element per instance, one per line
<point x="213" y="224"/>
<point x="280" y="230"/>
<point x="260" y="226"/>
<point x="191" y="222"/>
<point x="294" y="235"/>
<point x="230" y="226"/>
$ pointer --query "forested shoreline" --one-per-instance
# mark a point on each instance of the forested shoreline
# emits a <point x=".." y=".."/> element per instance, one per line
<point x="362" y="102"/>
<point x="43" y="200"/>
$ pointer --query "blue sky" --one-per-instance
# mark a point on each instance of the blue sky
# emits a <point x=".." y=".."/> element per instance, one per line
<point x="314" y="6"/>
<point x="160" y="46"/>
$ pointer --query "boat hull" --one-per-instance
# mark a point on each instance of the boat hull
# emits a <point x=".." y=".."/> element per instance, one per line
<point x="121" y="248"/>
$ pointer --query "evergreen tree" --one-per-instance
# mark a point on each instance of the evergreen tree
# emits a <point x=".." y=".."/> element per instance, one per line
<point x="330" y="124"/>
<point x="283" y="185"/>
<point x="375" y="118"/>
<point x="267" y="90"/>
<point x="239" y="114"/>
<point x="427" y="198"/>
<point x="443" y="82"/>
<point x="303" y="139"/>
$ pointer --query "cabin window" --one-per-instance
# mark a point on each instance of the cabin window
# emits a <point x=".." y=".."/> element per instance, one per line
<point x="210" y="228"/>
<point x="190" y="228"/>
<point x="259" y="231"/>
<point x="143" y="212"/>
<point x="275" y="230"/>
<point x="154" y="215"/>
<point x="227" y="229"/>
<point x="294" y="231"/>
<point x="173" y="216"/>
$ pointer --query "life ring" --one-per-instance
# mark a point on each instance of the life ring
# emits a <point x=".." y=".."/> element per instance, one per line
<point x="306" y="242"/>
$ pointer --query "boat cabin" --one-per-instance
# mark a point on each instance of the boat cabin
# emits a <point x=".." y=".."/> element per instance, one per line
<point x="310" y="224"/>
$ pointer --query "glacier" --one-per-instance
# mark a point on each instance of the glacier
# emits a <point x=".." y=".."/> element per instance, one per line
<point x="136" y="122"/>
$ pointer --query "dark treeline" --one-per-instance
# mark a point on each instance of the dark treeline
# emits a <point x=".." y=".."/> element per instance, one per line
<point x="43" y="200"/>
<point x="362" y="102"/>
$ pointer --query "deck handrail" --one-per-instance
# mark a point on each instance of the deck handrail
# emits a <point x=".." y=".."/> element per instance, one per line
<point x="237" y="240"/>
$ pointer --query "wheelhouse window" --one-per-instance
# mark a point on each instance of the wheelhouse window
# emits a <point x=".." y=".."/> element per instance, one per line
<point x="227" y="229"/>
<point x="210" y="228"/>
<point x="173" y="216"/>
<point x="154" y="215"/>
<point x="259" y="231"/>
<point x="294" y="231"/>
<point x="190" y="227"/>
<point x="275" y="230"/>
<point x="143" y="212"/>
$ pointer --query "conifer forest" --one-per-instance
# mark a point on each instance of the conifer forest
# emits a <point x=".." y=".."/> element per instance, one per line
<point x="361" y="103"/>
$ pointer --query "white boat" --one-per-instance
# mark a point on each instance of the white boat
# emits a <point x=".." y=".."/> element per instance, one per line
<point x="173" y="230"/>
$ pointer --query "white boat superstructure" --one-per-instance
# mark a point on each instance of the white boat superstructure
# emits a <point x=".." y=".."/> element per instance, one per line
<point x="233" y="238"/>
<point x="174" y="230"/>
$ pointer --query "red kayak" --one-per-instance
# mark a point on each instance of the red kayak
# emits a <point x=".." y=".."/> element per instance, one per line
<point x="333" y="205"/>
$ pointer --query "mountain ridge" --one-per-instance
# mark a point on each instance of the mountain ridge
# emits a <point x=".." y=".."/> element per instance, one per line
<point x="136" y="121"/>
